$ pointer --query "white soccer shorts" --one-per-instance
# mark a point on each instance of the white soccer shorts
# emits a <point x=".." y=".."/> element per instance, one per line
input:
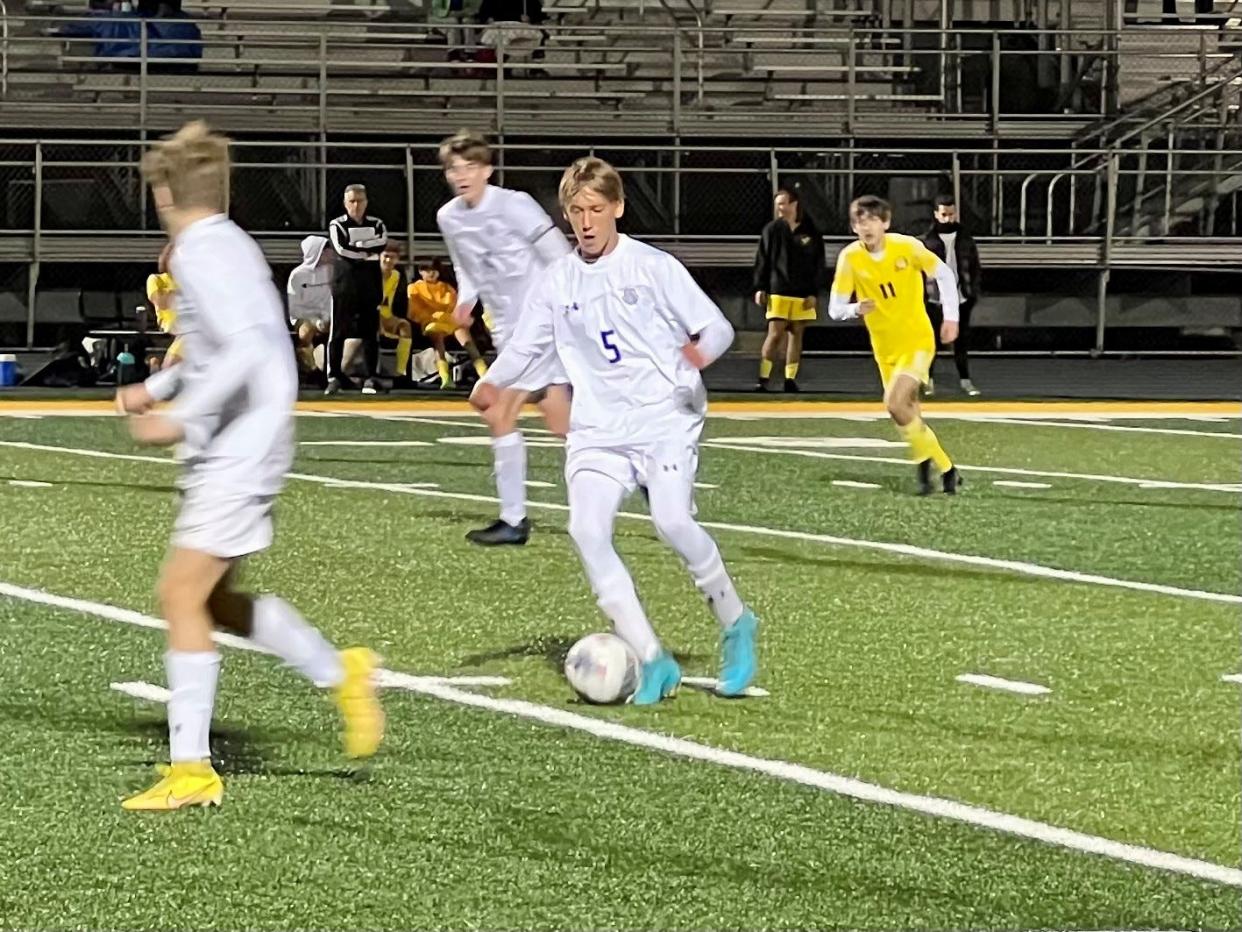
<point x="227" y="525"/>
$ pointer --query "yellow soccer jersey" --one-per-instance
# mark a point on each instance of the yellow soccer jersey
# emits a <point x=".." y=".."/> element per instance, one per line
<point x="894" y="281"/>
<point x="391" y="281"/>
<point x="161" y="292"/>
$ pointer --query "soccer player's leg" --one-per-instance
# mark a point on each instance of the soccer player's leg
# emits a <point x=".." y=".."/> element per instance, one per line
<point x="442" y="363"/>
<point x="395" y="328"/>
<point x="277" y="627"/>
<point x="509" y="469"/>
<point x="908" y="371"/>
<point x="472" y="350"/>
<point x="778" y="322"/>
<point x="961" y="355"/>
<point x="192" y="664"/>
<point x="598" y="482"/>
<point x="554" y="406"/>
<point x="669" y="473"/>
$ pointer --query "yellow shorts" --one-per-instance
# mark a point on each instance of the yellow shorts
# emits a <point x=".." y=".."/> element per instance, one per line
<point x="783" y="308"/>
<point x="915" y="362"/>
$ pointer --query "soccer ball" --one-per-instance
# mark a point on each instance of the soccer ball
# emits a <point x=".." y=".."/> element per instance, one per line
<point x="602" y="669"/>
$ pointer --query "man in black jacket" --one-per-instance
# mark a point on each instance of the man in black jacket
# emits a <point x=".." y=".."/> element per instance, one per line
<point x="357" y="288"/>
<point x="789" y="273"/>
<point x="957" y="248"/>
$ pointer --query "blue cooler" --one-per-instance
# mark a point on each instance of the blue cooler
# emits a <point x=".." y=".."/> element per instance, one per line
<point x="8" y="370"/>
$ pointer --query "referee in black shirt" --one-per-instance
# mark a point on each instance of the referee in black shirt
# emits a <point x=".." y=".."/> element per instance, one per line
<point x="357" y="289"/>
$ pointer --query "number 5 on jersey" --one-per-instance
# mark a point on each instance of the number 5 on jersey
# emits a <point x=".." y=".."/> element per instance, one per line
<point x="614" y="351"/>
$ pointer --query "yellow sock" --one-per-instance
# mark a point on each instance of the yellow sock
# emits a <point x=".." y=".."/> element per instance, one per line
<point x="791" y="370"/>
<point x="404" y="345"/>
<point x="765" y="368"/>
<point x="925" y="446"/>
<point x="442" y="367"/>
<point x="480" y="366"/>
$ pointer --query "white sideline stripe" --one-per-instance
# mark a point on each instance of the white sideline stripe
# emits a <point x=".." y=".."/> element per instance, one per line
<point x="996" y="682"/>
<point x="406" y="485"/>
<point x="1083" y="424"/>
<point x="908" y="550"/>
<point x="1232" y="677"/>
<point x="148" y="692"/>
<point x="781" y="770"/>
<point x="706" y="485"/>
<point x="539" y="484"/>
<point x="723" y="443"/>
<point x="851" y="484"/>
<point x="30" y="484"/>
<point x="709" y="683"/>
<point x="365" y="443"/>
<point x="1015" y="484"/>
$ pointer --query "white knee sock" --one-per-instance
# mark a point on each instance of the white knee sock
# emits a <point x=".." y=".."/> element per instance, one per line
<point x="671" y="512"/>
<point x="509" y="456"/>
<point x="192" y="677"/>
<point x="593" y="503"/>
<point x="278" y="628"/>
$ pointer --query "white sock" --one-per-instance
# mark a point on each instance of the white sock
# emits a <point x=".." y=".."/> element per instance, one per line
<point x="509" y="453"/>
<point x="277" y="627"/>
<point x="192" y="677"/>
<point x="628" y="619"/>
<point x="714" y="582"/>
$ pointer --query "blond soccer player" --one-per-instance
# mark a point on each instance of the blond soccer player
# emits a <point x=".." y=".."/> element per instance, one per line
<point x="884" y="271"/>
<point x="232" y="419"/>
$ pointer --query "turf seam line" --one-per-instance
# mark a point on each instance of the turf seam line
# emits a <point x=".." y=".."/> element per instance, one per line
<point x="782" y="770"/>
<point x="1014" y="566"/>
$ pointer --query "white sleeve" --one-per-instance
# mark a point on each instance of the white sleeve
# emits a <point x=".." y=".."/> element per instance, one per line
<point x="467" y="290"/>
<point x="340" y="242"/>
<point x="551" y="246"/>
<point x="714" y="340"/>
<point x="527" y="218"/>
<point x="684" y="299"/>
<point x="946" y="281"/>
<point x="203" y="396"/>
<point x="532" y="342"/>
<point x="840" y="308"/>
<point x="167" y="383"/>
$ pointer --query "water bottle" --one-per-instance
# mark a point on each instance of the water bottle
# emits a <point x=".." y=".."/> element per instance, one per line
<point x="8" y="370"/>
<point x="125" y="365"/>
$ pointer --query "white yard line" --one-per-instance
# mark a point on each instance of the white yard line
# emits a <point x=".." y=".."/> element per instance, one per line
<point x="996" y="682"/>
<point x="909" y="550"/>
<point x="30" y="484"/>
<point x="1091" y="425"/>
<point x="365" y="443"/>
<point x="1232" y="678"/>
<point x="851" y="484"/>
<point x="835" y="784"/>
<point x="708" y="684"/>
<point x="723" y="443"/>
<point x="148" y="692"/>
<point x="1015" y="484"/>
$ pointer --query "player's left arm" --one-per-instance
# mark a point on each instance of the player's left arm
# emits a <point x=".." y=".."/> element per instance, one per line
<point x="708" y="332"/>
<point x="946" y="282"/>
<point x="538" y="229"/>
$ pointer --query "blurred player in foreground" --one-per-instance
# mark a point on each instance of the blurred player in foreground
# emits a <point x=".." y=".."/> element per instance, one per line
<point x="885" y="271"/>
<point x="500" y="242"/>
<point x="631" y="330"/>
<point x="233" y="423"/>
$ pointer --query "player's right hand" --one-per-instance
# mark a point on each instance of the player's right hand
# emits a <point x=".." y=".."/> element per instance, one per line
<point x="463" y="315"/>
<point x="761" y="298"/>
<point x="133" y="399"/>
<point x="865" y="307"/>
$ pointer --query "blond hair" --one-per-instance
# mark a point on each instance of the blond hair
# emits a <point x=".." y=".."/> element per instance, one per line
<point x="468" y="145"/>
<point x="193" y="164"/>
<point x="591" y="174"/>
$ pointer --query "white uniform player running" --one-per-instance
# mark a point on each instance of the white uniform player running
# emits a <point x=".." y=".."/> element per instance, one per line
<point x="232" y="420"/>
<point x="631" y="330"/>
<point x="500" y="241"/>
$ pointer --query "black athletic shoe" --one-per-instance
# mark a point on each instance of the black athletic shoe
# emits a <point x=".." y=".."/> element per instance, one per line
<point x="792" y="387"/>
<point x="925" y="481"/>
<point x="952" y="481"/>
<point x="498" y="533"/>
<point x="762" y="386"/>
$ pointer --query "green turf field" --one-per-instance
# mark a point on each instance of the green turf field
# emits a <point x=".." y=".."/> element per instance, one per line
<point x="1116" y="586"/>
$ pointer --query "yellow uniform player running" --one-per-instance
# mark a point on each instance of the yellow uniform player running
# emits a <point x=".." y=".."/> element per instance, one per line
<point x="880" y="279"/>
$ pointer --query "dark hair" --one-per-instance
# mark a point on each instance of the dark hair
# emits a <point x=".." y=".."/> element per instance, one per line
<point x="431" y="265"/>
<point x="792" y="195"/>
<point x="870" y="205"/>
<point x="468" y="145"/>
<point x="945" y="200"/>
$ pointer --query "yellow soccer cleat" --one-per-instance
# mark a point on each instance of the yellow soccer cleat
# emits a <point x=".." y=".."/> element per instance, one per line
<point x="193" y="783"/>
<point x="359" y="704"/>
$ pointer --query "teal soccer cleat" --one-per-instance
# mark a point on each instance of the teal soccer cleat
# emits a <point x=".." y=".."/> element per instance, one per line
<point x="659" y="680"/>
<point x="738" y="659"/>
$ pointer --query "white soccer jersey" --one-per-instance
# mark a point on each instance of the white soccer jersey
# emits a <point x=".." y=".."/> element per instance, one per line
<point x="618" y="326"/>
<point x="236" y="388"/>
<point x="497" y="247"/>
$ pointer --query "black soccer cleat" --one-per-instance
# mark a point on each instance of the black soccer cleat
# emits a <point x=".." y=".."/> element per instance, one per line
<point x="791" y="387"/>
<point x="925" y="480"/>
<point x="500" y="533"/>
<point x="952" y="481"/>
<point x="762" y="386"/>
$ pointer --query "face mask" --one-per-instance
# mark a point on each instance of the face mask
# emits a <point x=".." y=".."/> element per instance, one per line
<point x="947" y="227"/>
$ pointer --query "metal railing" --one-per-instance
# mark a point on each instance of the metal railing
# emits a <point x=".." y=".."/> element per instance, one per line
<point x="312" y="76"/>
<point x="4" y="48"/>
